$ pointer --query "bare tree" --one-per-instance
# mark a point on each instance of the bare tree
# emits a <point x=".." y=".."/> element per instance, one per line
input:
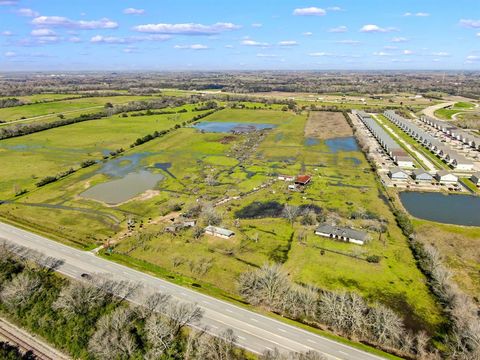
<point x="19" y="290"/>
<point x="221" y="347"/>
<point x="79" y="298"/>
<point x="112" y="338"/>
<point x="265" y="286"/>
<point x="276" y="355"/>
<point x="291" y="212"/>
<point x="210" y="216"/>
<point x="386" y="327"/>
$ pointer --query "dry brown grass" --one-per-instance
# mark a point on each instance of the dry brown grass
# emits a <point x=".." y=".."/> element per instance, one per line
<point x="326" y="125"/>
<point x="460" y="248"/>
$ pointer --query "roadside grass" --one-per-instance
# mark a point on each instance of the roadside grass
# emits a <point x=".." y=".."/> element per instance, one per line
<point x="470" y="185"/>
<point x="446" y="114"/>
<point x="464" y="105"/>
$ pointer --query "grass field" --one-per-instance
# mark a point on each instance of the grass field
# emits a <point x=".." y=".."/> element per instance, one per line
<point x="54" y="108"/>
<point x="459" y="246"/>
<point x="343" y="185"/>
<point x="48" y="153"/>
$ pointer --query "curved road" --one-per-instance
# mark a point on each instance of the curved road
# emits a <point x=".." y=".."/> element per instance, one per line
<point x="430" y="111"/>
<point x="255" y="332"/>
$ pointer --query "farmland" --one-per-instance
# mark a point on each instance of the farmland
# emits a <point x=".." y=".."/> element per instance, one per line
<point x="231" y="177"/>
<point x="343" y="185"/>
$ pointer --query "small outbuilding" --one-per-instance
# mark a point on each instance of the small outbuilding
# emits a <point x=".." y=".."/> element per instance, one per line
<point x="342" y="233"/>
<point x="303" y="179"/>
<point x="219" y="232"/>
<point x="422" y="175"/>
<point x="286" y="177"/>
<point x="446" y="177"/>
<point x="397" y="174"/>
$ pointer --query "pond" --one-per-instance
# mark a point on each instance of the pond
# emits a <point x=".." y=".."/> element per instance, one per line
<point x="237" y="127"/>
<point x="447" y="209"/>
<point x="354" y="160"/>
<point x="123" y="165"/>
<point x="119" y="190"/>
<point x="311" y="142"/>
<point x="342" y="144"/>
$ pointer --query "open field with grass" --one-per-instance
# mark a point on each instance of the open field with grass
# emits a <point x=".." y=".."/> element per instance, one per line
<point x="55" y="150"/>
<point x="242" y="165"/>
<point x="459" y="247"/>
<point x="324" y="125"/>
<point x="55" y="108"/>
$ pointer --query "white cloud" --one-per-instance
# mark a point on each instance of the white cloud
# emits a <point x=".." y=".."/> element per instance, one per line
<point x="8" y="2"/>
<point x="257" y="25"/>
<point x="107" y="39"/>
<point x="288" y="43"/>
<point x="133" y="11"/>
<point x="42" y="32"/>
<point x="335" y="8"/>
<point x="472" y="59"/>
<point x="186" y="29"/>
<point x="80" y="24"/>
<point x="478" y="34"/>
<point x="250" y="42"/>
<point x="441" y="53"/>
<point x="407" y="52"/>
<point x="192" y="47"/>
<point x="307" y="33"/>
<point x="348" y="42"/>
<point x="474" y="24"/>
<point x="130" y="50"/>
<point x="418" y="14"/>
<point x="100" y="39"/>
<point x="399" y="39"/>
<point x="338" y="29"/>
<point x="310" y="11"/>
<point x="10" y="54"/>
<point x="74" y="39"/>
<point x="27" y="12"/>
<point x="319" y="54"/>
<point x="381" y="53"/>
<point x="7" y="33"/>
<point x="229" y="46"/>
<point x="371" y="28"/>
<point x="266" y="55"/>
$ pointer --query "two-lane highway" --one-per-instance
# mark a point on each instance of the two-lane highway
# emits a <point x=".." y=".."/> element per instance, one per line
<point x="255" y="332"/>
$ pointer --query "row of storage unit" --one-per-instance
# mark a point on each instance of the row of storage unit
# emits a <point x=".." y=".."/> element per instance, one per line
<point x="391" y="147"/>
<point x="448" y="155"/>
<point x="453" y="131"/>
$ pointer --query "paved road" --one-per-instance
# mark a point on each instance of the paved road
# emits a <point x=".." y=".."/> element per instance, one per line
<point x="430" y="111"/>
<point x="255" y="332"/>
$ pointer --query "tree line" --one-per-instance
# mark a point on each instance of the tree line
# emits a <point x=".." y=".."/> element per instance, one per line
<point x="346" y="313"/>
<point x="92" y="318"/>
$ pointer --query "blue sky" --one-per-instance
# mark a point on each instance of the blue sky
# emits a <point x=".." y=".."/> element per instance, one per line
<point x="239" y="35"/>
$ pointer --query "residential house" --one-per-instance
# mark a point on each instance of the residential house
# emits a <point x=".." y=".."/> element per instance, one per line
<point x="397" y="174"/>
<point x="342" y="233"/>
<point x="422" y="175"/>
<point x="219" y="232"/>
<point x="446" y="177"/>
<point x="476" y="178"/>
